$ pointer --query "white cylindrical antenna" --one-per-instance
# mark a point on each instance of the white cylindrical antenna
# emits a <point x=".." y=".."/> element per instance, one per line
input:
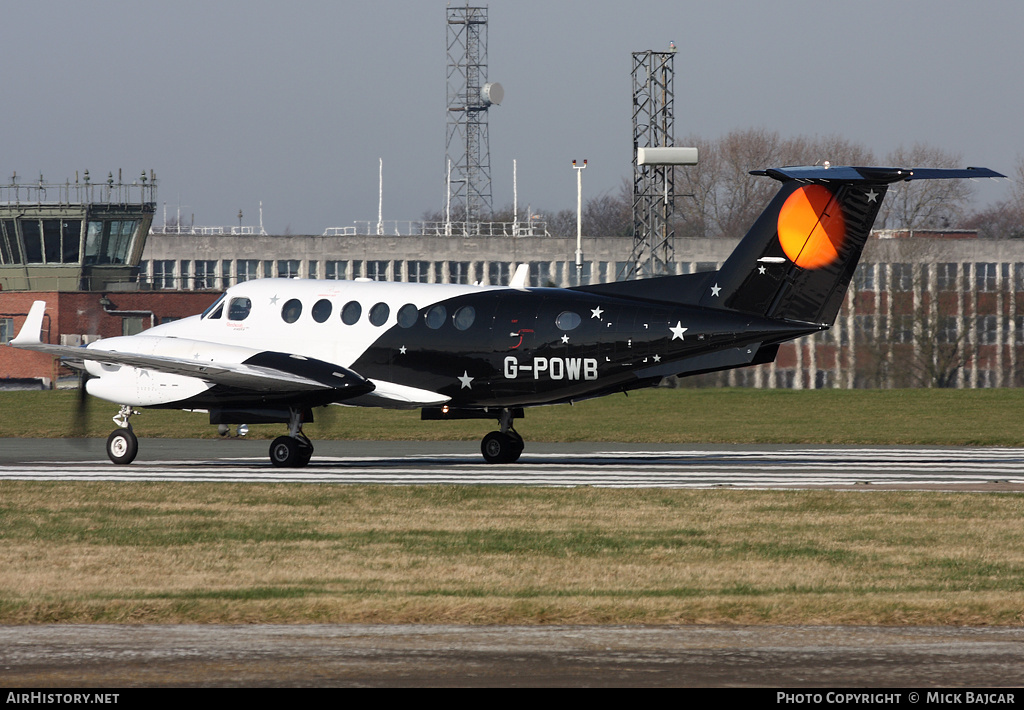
<point x="262" y="233"/>
<point x="380" y="201"/>
<point x="515" y="201"/>
<point x="579" y="218"/>
<point x="448" y="204"/>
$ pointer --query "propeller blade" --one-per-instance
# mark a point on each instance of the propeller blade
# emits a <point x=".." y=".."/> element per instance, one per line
<point x="79" y="428"/>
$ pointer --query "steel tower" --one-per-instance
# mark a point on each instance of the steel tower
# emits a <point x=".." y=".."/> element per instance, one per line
<point x="653" y="184"/>
<point x="468" y="149"/>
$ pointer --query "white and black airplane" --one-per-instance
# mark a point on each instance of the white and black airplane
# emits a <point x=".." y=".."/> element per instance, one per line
<point x="271" y="350"/>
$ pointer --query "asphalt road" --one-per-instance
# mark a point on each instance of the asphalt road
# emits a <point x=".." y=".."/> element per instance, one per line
<point x="536" y="656"/>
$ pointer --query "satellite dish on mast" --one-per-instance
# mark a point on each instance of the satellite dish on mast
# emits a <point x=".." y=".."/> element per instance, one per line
<point x="492" y="93"/>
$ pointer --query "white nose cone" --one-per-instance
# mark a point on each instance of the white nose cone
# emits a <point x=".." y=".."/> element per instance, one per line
<point x="492" y="94"/>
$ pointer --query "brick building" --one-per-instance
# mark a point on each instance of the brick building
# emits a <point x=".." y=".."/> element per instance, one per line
<point x="79" y="317"/>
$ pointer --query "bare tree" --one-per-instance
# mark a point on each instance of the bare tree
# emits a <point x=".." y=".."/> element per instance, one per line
<point x="722" y="198"/>
<point x="1004" y="219"/>
<point x="925" y="204"/>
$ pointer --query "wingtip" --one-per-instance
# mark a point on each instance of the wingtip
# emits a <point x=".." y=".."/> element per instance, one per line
<point x="33" y="326"/>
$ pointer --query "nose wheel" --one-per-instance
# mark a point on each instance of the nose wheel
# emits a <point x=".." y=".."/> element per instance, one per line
<point x="122" y="444"/>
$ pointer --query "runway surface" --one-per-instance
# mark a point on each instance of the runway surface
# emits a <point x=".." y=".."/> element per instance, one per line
<point x="513" y="656"/>
<point x="578" y="464"/>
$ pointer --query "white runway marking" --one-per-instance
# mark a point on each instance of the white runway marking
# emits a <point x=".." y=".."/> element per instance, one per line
<point x="743" y="469"/>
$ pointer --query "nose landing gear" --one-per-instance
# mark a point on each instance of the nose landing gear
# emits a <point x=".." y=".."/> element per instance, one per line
<point x="122" y="444"/>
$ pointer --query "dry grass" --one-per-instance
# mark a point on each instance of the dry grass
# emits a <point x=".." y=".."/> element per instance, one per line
<point x="236" y="553"/>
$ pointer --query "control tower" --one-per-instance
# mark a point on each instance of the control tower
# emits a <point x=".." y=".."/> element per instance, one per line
<point x="74" y="236"/>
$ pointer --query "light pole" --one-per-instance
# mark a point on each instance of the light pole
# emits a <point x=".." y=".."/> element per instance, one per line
<point x="579" y="219"/>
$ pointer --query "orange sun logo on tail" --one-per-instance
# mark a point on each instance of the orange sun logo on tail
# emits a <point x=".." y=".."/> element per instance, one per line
<point x="811" y="227"/>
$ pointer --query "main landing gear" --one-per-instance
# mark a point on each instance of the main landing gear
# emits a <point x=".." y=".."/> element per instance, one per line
<point x="504" y="446"/>
<point x="122" y="444"/>
<point x="294" y="450"/>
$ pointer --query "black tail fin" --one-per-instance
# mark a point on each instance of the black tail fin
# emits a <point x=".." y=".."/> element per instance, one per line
<point x="797" y="260"/>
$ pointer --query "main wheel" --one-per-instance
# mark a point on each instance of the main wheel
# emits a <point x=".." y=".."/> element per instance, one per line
<point x="501" y="448"/>
<point x="122" y="446"/>
<point x="517" y="445"/>
<point x="284" y="452"/>
<point x="304" y="455"/>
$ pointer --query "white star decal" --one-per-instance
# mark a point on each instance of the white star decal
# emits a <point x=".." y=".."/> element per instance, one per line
<point x="872" y="195"/>
<point x="465" y="380"/>
<point x="401" y="350"/>
<point x="565" y="339"/>
<point x="715" y="289"/>
<point x="678" y="330"/>
<point x="657" y="358"/>
<point x="761" y="270"/>
<point x="596" y="312"/>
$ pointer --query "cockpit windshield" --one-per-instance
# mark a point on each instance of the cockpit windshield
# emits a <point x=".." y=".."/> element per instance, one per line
<point x="215" y="309"/>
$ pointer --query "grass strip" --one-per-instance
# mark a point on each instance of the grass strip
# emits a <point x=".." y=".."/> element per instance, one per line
<point x="989" y="417"/>
<point x="238" y="553"/>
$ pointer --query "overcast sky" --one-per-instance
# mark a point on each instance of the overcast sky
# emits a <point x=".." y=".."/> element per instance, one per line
<point x="236" y="101"/>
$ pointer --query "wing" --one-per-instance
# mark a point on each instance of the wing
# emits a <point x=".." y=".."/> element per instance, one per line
<point x="259" y="371"/>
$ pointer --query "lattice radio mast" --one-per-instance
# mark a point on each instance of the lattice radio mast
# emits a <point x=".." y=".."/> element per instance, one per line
<point x="654" y="161"/>
<point x="468" y="149"/>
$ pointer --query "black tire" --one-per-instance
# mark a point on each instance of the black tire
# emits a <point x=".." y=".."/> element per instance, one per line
<point x="122" y="446"/>
<point x="501" y="448"/>
<point x="284" y="452"/>
<point x="304" y="455"/>
<point x="517" y="446"/>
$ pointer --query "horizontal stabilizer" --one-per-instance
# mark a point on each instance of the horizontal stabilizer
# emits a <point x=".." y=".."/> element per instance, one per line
<point x="874" y="175"/>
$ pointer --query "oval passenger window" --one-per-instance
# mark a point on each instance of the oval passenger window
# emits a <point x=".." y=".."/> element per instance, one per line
<point x="291" y="310"/>
<point x="321" y="310"/>
<point x="464" y="317"/>
<point x="567" y="320"/>
<point x="379" y="313"/>
<point x="407" y="315"/>
<point x="351" y="312"/>
<point x="435" y="317"/>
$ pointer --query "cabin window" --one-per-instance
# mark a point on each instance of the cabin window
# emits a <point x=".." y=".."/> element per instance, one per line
<point x="436" y="316"/>
<point x="351" y="312"/>
<point x="407" y="315"/>
<point x="321" y="310"/>
<point x="379" y="313"/>
<point x="464" y="317"/>
<point x="239" y="309"/>
<point x="291" y="310"/>
<point x="567" y="320"/>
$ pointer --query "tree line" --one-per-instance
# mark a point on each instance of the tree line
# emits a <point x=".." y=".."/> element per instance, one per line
<point x="719" y="198"/>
